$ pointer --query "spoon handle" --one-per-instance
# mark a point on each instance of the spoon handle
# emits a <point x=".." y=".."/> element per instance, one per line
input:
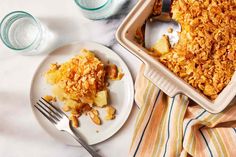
<point x="166" y="6"/>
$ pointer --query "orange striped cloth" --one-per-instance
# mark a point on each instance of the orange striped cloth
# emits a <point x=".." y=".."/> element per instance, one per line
<point x="169" y="127"/>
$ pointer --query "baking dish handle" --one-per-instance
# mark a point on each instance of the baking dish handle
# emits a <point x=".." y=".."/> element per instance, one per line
<point x="165" y="84"/>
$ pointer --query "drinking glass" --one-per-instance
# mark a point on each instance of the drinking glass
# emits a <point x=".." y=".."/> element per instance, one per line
<point x="21" y="32"/>
<point x="95" y="9"/>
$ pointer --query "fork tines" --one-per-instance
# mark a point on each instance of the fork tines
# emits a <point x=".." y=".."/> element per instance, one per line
<point x="52" y="113"/>
<point x="57" y="117"/>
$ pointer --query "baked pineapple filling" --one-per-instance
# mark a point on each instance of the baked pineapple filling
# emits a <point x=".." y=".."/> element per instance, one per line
<point x="82" y="84"/>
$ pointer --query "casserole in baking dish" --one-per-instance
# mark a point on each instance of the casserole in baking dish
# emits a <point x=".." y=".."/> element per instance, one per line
<point x="165" y="77"/>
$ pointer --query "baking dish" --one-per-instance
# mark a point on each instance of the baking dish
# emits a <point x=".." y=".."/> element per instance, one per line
<point x="157" y="73"/>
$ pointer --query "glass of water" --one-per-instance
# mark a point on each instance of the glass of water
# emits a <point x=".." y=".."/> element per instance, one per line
<point x="95" y="9"/>
<point x="21" y="32"/>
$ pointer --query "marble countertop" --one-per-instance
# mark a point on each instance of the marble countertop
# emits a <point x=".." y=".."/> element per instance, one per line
<point x="20" y="134"/>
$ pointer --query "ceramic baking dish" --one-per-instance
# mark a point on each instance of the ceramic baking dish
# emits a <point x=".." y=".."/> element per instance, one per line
<point x="156" y="72"/>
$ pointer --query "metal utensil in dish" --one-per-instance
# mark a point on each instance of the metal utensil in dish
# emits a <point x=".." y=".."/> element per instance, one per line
<point x="157" y="25"/>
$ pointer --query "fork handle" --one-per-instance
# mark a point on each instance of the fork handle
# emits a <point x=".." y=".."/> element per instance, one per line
<point x="92" y="152"/>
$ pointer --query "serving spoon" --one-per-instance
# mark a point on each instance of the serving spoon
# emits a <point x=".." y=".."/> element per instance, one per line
<point x="158" y="25"/>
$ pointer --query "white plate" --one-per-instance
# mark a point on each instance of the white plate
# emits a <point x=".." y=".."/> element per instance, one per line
<point x="121" y="95"/>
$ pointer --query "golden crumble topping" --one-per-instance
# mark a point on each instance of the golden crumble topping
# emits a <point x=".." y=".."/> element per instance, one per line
<point x="205" y="55"/>
<point x="81" y="77"/>
<point x="82" y="83"/>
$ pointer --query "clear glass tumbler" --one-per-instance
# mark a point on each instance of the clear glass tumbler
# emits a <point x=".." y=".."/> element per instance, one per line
<point x="95" y="9"/>
<point x="21" y="32"/>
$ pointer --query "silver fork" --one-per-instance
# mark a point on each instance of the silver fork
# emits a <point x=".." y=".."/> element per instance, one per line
<point x="60" y="120"/>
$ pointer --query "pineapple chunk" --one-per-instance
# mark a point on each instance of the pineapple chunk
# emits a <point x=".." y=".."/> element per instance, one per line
<point x="49" y="98"/>
<point x="66" y="108"/>
<point x="110" y="113"/>
<point x="101" y="98"/>
<point x="162" y="46"/>
<point x="53" y="77"/>
<point x="59" y="92"/>
<point x="73" y="104"/>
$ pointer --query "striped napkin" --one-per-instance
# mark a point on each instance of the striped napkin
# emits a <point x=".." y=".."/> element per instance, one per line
<point x="178" y="127"/>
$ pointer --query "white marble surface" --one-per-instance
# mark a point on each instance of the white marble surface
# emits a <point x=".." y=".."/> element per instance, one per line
<point x="20" y="134"/>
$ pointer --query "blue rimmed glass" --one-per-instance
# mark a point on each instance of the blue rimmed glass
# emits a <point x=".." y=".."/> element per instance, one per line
<point x="21" y="32"/>
<point x="95" y="10"/>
